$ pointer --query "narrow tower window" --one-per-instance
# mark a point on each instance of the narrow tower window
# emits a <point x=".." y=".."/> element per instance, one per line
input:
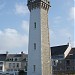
<point x="34" y="68"/>
<point x="34" y="46"/>
<point x="34" y="24"/>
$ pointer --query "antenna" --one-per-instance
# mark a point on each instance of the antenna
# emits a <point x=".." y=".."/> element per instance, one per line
<point x="69" y="40"/>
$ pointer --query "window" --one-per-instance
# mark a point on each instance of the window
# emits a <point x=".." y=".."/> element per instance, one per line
<point x="17" y="65"/>
<point x="60" y="61"/>
<point x="68" y="62"/>
<point x="34" y="46"/>
<point x="54" y="62"/>
<point x="15" y="59"/>
<point x="12" y="59"/>
<point x="0" y="67"/>
<point x="34" y="67"/>
<point x="68" y="68"/>
<point x="34" y="24"/>
<point x="7" y="59"/>
<point x="13" y="65"/>
<point x="25" y="68"/>
<point x="10" y="65"/>
<point x="25" y="59"/>
<point x="1" y="63"/>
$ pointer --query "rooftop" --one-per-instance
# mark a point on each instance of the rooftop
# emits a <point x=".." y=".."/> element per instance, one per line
<point x="2" y="57"/>
<point x="58" y="50"/>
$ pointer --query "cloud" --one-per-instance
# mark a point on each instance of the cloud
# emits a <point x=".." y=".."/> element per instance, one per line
<point x="21" y="9"/>
<point x="25" y="26"/>
<point x="72" y="13"/>
<point x="64" y="33"/>
<point x="11" y="39"/>
<point x="2" y="4"/>
<point x="52" y="34"/>
<point x="73" y="43"/>
<point x="57" y="19"/>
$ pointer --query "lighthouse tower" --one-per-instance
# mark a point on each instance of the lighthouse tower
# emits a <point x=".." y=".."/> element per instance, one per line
<point x="39" y="54"/>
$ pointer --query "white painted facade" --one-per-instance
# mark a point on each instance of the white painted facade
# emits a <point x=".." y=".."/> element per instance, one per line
<point x="2" y="66"/>
<point x="12" y="66"/>
<point x="8" y="73"/>
<point x="34" y="37"/>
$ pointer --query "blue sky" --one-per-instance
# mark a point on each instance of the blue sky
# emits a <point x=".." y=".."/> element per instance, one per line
<point x="14" y="24"/>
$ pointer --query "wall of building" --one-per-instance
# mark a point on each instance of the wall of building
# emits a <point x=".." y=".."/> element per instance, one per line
<point x="12" y="66"/>
<point x="63" y="67"/>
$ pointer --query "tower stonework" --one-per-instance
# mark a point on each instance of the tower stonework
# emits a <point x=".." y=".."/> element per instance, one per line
<point x="39" y="53"/>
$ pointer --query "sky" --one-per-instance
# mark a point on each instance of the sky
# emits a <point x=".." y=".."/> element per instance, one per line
<point x="14" y="24"/>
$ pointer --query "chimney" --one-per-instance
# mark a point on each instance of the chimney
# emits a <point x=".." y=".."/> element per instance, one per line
<point x="7" y="53"/>
<point x="22" y="52"/>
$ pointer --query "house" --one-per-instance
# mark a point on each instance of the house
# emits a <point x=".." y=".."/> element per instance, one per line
<point x="57" y="55"/>
<point x="63" y="60"/>
<point x="62" y="57"/>
<point x="13" y="63"/>
<point x="70" y="62"/>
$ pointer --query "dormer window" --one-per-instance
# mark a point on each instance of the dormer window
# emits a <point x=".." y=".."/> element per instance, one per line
<point x="15" y="59"/>
<point x="12" y="59"/>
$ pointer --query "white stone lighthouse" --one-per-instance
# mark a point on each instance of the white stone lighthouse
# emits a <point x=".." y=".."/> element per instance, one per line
<point x="39" y="54"/>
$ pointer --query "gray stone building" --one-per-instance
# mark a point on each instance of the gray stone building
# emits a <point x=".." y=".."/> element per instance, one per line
<point x="62" y="65"/>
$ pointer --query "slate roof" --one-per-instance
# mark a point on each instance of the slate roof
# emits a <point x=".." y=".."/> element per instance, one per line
<point x="20" y="56"/>
<point x="13" y="55"/>
<point x="2" y="57"/>
<point x="58" y="50"/>
<point x="5" y="57"/>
